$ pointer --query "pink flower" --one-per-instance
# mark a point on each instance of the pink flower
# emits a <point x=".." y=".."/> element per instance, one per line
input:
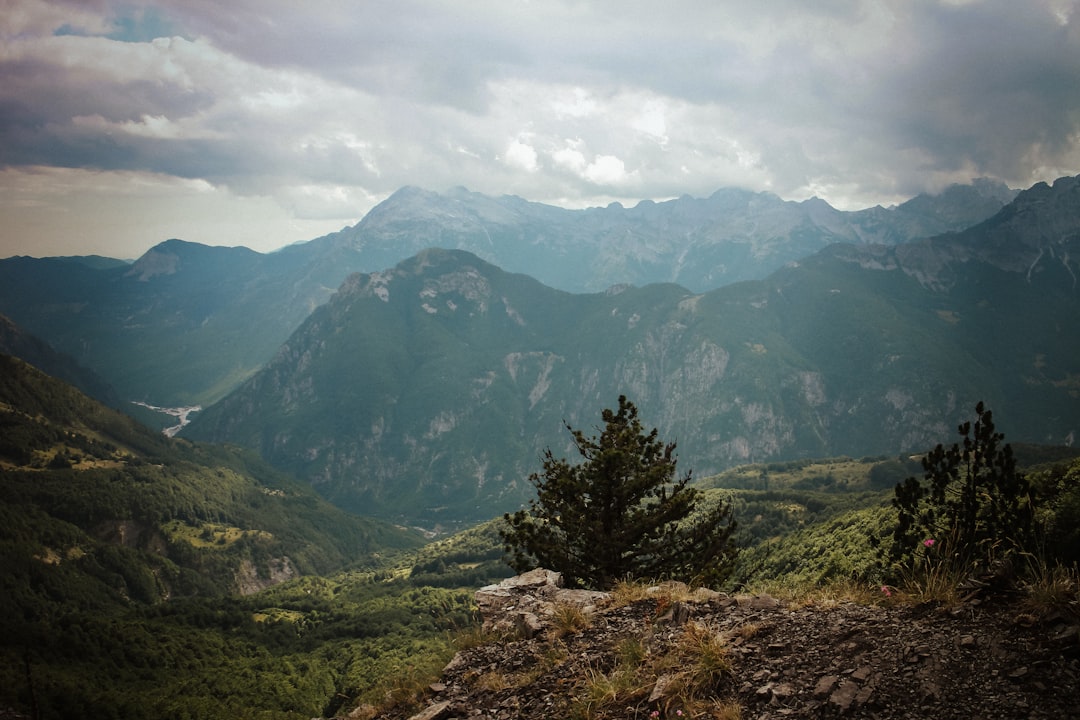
<point x="928" y="542"/>
<point x="654" y="714"/>
<point x="885" y="589"/>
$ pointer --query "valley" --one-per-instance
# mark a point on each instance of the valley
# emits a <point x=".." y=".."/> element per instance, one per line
<point x="131" y="589"/>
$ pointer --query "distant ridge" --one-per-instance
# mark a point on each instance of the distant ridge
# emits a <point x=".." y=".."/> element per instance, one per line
<point x="700" y="243"/>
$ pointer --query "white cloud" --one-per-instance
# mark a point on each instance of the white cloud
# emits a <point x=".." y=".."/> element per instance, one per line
<point x="336" y="203"/>
<point x="607" y="170"/>
<point x="575" y="102"/>
<point x="571" y="157"/>
<point x="521" y="155"/>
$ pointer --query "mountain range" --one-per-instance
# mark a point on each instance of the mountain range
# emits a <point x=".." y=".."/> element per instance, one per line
<point x="186" y="323"/>
<point x="699" y="243"/>
<point x="428" y="392"/>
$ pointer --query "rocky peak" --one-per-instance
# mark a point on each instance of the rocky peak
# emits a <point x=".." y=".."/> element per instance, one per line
<point x="960" y="206"/>
<point x="733" y="234"/>
<point x="1034" y="232"/>
<point x="161" y="259"/>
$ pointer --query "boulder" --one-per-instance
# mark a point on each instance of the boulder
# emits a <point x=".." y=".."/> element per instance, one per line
<point x="524" y="605"/>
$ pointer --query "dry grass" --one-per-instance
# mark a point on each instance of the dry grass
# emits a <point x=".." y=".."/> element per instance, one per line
<point x="629" y="591"/>
<point x="706" y="658"/>
<point x="747" y="630"/>
<point x="626" y="592"/>
<point x="936" y="582"/>
<point x="1052" y="588"/>
<point x="725" y="710"/>
<point x="834" y="592"/>
<point x="601" y="692"/>
<point x="554" y="654"/>
<point x="693" y="670"/>
<point x="473" y="637"/>
<point x="494" y="680"/>
<point x="404" y="692"/>
<point x="568" y="619"/>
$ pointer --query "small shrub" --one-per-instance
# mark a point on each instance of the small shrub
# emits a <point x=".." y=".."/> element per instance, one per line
<point x="624" y="510"/>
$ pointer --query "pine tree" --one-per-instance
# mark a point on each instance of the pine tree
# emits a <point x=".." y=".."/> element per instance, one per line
<point x="972" y="505"/>
<point x="620" y="513"/>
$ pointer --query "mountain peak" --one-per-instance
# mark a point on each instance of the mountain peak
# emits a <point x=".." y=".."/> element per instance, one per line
<point x="162" y="259"/>
<point x="958" y="206"/>
<point x="170" y="256"/>
<point x="1034" y="232"/>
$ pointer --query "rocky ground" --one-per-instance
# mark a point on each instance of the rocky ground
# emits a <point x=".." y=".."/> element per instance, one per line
<point x="671" y="654"/>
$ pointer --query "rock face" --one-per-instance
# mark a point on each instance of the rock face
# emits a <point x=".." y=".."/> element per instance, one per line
<point x="249" y="581"/>
<point x="824" y="660"/>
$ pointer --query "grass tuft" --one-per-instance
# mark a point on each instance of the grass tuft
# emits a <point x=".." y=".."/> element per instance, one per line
<point x="706" y="656"/>
<point x="1050" y="588"/>
<point x="567" y="619"/>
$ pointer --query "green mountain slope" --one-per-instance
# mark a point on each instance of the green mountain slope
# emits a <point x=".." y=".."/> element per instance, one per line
<point x="181" y="326"/>
<point x="123" y="553"/>
<point x="91" y="499"/>
<point x="428" y="392"/>
<point x="15" y="342"/>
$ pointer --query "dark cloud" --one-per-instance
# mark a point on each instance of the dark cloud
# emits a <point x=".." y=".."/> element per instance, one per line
<point x="990" y="86"/>
<point x="565" y="100"/>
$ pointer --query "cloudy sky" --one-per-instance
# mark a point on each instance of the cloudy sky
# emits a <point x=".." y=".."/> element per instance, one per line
<point x="266" y="122"/>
